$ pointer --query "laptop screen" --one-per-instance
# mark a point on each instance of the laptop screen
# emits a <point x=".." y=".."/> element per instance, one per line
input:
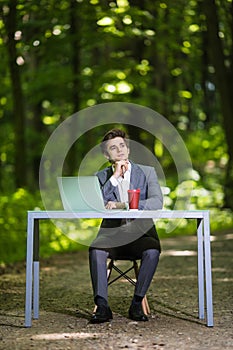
<point x="81" y="193"/>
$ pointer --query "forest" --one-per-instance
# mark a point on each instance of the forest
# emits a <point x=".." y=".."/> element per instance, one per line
<point x="62" y="57"/>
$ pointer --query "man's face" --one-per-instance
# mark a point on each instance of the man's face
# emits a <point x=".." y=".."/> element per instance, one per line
<point x="116" y="149"/>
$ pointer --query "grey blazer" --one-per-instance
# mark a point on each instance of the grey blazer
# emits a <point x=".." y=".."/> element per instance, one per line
<point x="116" y="232"/>
<point x="143" y="177"/>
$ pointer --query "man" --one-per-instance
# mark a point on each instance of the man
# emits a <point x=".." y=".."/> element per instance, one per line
<point x="137" y="239"/>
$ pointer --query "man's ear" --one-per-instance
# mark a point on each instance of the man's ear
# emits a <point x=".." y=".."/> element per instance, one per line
<point x="106" y="155"/>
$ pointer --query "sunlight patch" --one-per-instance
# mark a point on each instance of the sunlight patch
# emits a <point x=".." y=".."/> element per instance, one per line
<point x="62" y="336"/>
<point x="180" y="253"/>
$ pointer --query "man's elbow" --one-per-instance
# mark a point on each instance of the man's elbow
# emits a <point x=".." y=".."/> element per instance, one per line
<point x="161" y="204"/>
<point x="158" y="203"/>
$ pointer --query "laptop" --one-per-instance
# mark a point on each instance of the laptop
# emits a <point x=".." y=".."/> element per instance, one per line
<point x="81" y="193"/>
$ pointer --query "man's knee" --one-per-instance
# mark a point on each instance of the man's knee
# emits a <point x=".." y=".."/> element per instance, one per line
<point x="98" y="255"/>
<point x="151" y="254"/>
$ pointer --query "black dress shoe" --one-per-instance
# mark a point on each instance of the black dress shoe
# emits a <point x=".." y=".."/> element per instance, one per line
<point x="136" y="313"/>
<point x="103" y="314"/>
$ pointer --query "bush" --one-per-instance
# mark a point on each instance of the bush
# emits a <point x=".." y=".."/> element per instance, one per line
<point x="13" y="226"/>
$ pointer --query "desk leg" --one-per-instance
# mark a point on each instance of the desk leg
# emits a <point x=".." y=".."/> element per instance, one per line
<point x="208" y="273"/>
<point x="28" y="301"/>
<point x="36" y="270"/>
<point x="200" y="268"/>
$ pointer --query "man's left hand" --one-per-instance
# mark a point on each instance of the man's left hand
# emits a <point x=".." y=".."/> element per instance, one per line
<point x="115" y="205"/>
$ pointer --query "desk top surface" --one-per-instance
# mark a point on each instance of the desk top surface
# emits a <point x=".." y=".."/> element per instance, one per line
<point x="119" y="214"/>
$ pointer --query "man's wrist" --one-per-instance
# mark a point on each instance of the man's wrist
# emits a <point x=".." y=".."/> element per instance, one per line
<point x="113" y="181"/>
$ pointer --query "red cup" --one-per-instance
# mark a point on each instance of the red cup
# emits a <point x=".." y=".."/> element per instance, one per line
<point x="133" y="196"/>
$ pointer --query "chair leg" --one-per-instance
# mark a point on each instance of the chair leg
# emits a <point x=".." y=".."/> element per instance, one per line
<point x="109" y="269"/>
<point x="145" y="305"/>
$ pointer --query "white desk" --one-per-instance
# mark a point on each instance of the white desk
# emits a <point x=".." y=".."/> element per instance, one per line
<point x="203" y="247"/>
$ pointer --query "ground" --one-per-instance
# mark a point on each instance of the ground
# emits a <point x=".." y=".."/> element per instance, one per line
<point x="66" y="304"/>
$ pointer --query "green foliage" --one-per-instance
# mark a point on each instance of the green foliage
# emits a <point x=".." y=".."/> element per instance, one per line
<point x="209" y="156"/>
<point x="149" y="53"/>
<point x="63" y="235"/>
<point x="70" y="55"/>
<point x="13" y="224"/>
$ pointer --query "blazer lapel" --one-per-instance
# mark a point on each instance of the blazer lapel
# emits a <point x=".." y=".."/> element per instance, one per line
<point x="136" y="176"/>
<point x="108" y="174"/>
<point x="117" y="194"/>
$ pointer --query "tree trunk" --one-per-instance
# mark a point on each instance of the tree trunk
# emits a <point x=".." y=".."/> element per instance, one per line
<point x="73" y="155"/>
<point x="17" y="95"/>
<point x="224" y="82"/>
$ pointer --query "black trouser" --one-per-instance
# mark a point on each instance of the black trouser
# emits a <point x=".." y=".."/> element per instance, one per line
<point x="98" y="270"/>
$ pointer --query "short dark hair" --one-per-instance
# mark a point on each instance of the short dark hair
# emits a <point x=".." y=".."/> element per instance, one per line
<point x="111" y="134"/>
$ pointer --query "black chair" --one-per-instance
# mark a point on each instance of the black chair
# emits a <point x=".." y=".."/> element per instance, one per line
<point x="112" y="265"/>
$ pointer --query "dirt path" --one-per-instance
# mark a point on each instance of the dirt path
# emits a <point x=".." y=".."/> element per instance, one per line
<point x="66" y="304"/>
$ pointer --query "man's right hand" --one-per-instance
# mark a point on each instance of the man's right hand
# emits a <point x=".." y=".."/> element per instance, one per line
<point x="120" y="167"/>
